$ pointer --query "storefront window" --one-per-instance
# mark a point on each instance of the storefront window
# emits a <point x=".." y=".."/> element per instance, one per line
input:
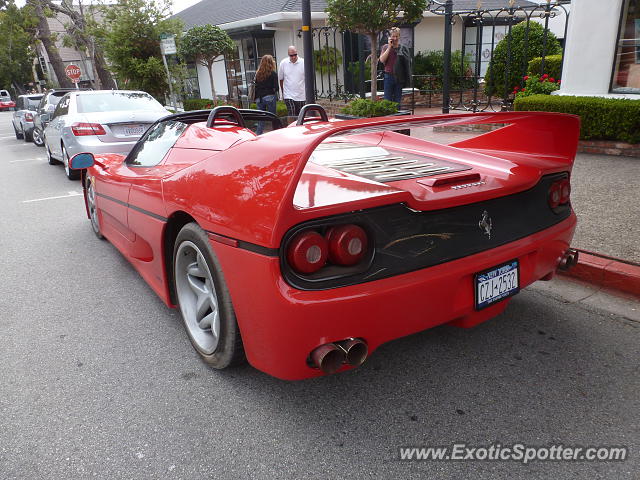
<point x="626" y="74"/>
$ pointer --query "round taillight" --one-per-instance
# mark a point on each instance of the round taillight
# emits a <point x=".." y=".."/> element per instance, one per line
<point x="347" y="244"/>
<point x="565" y="191"/>
<point x="554" y="195"/>
<point x="307" y="252"/>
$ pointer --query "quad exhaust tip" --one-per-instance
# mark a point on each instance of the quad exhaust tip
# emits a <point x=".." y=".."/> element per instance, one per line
<point x="331" y="356"/>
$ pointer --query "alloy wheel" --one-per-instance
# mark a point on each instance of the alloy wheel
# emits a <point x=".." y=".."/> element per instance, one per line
<point x="197" y="297"/>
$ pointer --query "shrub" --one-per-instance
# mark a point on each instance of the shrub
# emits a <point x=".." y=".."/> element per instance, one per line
<point x="197" y="103"/>
<point x="520" y="56"/>
<point x="431" y="62"/>
<point x="552" y="66"/>
<point x="327" y="60"/>
<point x="365" y="107"/>
<point x="600" y="118"/>
<point x="535" y="85"/>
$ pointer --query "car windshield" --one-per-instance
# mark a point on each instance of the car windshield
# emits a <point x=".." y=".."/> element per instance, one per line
<point x="116" y="101"/>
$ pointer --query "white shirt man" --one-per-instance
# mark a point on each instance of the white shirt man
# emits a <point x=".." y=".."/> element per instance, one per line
<point x="291" y="76"/>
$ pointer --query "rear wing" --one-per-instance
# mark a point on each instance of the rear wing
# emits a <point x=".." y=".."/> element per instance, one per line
<point x="265" y="170"/>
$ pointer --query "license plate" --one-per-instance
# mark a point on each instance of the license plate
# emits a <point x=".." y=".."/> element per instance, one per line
<point x="496" y="284"/>
<point x="134" y="130"/>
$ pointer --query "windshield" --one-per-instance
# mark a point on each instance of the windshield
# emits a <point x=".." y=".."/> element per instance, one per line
<point x="116" y="101"/>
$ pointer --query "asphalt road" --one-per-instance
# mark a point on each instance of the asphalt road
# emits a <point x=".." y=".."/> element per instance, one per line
<point x="98" y="379"/>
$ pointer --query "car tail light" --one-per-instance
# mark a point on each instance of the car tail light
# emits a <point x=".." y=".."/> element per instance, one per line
<point x="565" y="191"/>
<point x="307" y="252"/>
<point x="554" y="195"/>
<point x="81" y="129"/>
<point x="559" y="193"/>
<point x="347" y="244"/>
<point x="28" y="117"/>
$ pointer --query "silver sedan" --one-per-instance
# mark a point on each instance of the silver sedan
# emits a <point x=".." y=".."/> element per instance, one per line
<point x="100" y="121"/>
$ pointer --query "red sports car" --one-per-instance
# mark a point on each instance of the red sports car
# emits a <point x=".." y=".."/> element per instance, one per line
<point x="306" y="248"/>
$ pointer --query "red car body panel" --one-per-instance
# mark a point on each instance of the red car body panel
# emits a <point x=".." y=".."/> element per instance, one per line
<point x="243" y="188"/>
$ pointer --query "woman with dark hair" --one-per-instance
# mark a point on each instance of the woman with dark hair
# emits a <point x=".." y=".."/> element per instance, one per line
<point x="266" y="87"/>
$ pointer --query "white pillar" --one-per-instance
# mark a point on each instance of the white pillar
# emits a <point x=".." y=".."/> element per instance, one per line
<point x="590" y="47"/>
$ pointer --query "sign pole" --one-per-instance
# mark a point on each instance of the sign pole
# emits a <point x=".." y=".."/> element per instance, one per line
<point x="168" y="47"/>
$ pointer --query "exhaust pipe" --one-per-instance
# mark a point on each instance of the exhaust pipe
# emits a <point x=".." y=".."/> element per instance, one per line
<point x="355" y="351"/>
<point x="328" y="357"/>
<point x="569" y="259"/>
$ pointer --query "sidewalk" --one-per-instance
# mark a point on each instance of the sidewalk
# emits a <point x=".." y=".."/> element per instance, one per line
<point x="605" y="197"/>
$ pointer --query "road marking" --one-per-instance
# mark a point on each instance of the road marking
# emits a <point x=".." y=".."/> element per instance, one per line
<point x="28" y="160"/>
<point x="71" y="194"/>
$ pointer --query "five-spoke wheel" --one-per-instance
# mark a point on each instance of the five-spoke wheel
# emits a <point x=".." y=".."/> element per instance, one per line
<point x="204" y="300"/>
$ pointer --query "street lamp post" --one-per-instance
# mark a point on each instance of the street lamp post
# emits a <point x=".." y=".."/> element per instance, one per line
<point x="309" y="73"/>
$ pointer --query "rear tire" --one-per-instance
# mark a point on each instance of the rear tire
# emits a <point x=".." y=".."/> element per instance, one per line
<point x="28" y="136"/>
<point x="71" y="174"/>
<point x="204" y="300"/>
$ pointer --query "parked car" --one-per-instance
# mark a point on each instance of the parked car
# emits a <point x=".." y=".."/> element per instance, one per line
<point x="45" y="110"/>
<point x="99" y="121"/>
<point x="308" y="247"/>
<point x="5" y="101"/>
<point x="24" y="115"/>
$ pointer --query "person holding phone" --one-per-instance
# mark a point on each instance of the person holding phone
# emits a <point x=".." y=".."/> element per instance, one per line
<point x="395" y="58"/>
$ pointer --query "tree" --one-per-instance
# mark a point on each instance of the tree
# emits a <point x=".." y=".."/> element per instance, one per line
<point x="206" y="44"/>
<point x="43" y="34"/>
<point x="16" y="47"/>
<point x="370" y="17"/>
<point x="130" y="36"/>
<point x="79" y="37"/>
<point x="514" y="52"/>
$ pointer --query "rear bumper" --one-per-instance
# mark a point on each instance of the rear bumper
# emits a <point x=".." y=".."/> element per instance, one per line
<point x="281" y="325"/>
<point x="92" y="144"/>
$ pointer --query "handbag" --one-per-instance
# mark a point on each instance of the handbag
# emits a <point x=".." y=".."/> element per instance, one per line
<point x="252" y="91"/>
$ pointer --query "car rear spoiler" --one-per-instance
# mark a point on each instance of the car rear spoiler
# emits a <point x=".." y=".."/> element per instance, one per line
<point x="267" y="168"/>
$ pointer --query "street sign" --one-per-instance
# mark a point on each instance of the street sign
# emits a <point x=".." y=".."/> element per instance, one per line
<point x="73" y="72"/>
<point x="168" y="44"/>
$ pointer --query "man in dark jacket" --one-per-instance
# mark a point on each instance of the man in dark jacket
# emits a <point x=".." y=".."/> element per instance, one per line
<point x="396" y="59"/>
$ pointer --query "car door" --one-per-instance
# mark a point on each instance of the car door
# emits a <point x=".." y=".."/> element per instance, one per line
<point x="17" y="115"/>
<point x="53" y="132"/>
<point x="131" y="193"/>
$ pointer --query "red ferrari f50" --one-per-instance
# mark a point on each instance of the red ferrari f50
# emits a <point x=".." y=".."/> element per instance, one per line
<point x="306" y="248"/>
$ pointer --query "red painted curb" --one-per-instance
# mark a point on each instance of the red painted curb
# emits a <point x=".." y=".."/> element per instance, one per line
<point x="606" y="272"/>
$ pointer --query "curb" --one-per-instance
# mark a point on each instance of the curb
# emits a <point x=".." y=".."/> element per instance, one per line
<point x="606" y="272"/>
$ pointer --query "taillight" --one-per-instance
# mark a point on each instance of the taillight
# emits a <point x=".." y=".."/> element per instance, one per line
<point x="559" y="193"/>
<point x="28" y="117"/>
<point x="347" y="244"/>
<point x="307" y="252"/>
<point x="565" y="191"/>
<point x="81" y="129"/>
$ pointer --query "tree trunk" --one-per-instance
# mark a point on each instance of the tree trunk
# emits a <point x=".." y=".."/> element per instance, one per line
<point x="44" y="35"/>
<point x="374" y="66"/>
<point x="213" y="88"/>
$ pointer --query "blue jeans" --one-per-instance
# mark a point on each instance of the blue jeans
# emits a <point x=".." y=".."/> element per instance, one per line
<point x="392" y="91"/>
<point x="268" y="104"/>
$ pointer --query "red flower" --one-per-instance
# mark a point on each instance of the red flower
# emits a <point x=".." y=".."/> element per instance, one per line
<point x="551" y="79"/>
<point x="545" y="76"/>
<point x="516" y="88"/>
<point x="558" y="81"/>
<point x="525" y="78"/>
<point x="524" y="89"/>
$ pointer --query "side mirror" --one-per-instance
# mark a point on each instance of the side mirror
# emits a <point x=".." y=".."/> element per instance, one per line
<point x="45" y="117"/>
<point x="80" y="161"/>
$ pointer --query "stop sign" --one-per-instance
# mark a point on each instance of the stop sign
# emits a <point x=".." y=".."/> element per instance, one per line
<point x="73" y="72"/>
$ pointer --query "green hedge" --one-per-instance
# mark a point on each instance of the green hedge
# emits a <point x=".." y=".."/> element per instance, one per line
<point x="365" y="107"/>
<point x="197" y="103"/>
<point x="552" y="66"/>
<point x="600" y="118"/>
